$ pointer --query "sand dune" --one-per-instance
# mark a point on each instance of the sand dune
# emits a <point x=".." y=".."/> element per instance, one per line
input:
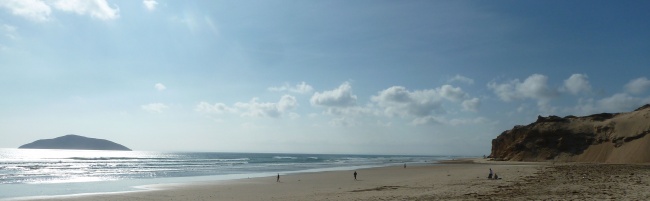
<point x="609" y="138"/>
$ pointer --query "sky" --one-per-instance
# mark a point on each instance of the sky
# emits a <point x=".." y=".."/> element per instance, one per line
<point x="354" y="77"/>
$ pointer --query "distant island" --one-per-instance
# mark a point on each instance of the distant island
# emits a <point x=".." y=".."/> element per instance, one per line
<point x="604" y="138"/>
<point x="75" y="142"/>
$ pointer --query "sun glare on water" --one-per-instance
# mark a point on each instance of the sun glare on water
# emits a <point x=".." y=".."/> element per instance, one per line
<point x="65" y="166"/>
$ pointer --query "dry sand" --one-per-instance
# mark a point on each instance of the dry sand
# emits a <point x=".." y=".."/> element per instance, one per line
<point x="453" y="180"/>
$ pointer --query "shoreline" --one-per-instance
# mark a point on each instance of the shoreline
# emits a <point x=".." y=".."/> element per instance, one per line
<point x="458" y="179"/>
<point x="143" y="185"/>
<point x="448" y="179"/>
<point x="30" y="173"/>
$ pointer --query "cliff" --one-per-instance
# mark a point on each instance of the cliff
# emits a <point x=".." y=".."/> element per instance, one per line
<point x="605" y="137"/>
<point x="75" y="142"/>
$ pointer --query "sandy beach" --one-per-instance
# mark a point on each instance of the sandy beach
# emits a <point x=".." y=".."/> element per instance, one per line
<point x="450" y="180"/>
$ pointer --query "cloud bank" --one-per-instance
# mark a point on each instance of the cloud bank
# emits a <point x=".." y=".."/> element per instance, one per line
<point x="536" y="87"/>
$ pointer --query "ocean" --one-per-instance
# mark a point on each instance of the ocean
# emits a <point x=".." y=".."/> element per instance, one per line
<point x="34" y="172"/>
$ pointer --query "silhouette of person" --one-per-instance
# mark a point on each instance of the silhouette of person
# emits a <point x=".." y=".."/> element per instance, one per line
<point x="490" y="175"/>
<point x="355" y="175"/>
<point x="404" y="165"/>
<point x="278" y="180"/>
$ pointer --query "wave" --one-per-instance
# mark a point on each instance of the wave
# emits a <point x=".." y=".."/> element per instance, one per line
<point x="113" y="158"/>
<point x="285" y="157"/>
<point x="32" y="167"/>
<point x="232" y="159"/>
<point x="17" y="168"/>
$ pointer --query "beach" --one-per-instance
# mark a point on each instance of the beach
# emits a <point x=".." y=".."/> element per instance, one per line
<point x="455" y="179"/>
<point x="449" y="180"/>
<point x="463" y="179"/>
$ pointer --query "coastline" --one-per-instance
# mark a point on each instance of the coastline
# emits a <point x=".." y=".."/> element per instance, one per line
<point x="48" y="173"/>
<point x="454" y="179"/>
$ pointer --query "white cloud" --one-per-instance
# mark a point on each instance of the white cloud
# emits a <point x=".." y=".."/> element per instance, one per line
<point x="275" y="110"/>
<point x="31" y="9"/>
<point x="301" y="88"/>
<point x="154" y="107"/>
<point x="351" y="111"/>
<point x="461" y="79"/>
<point x="452" y="93"/>
<point x="534" y="87"/>
<point x="620" y="102"/>
<point x="218" y="108"/>
<point x="39" y="10"/>
<point x="254" y="108"/>
<point x="637" y="86"/>
<point x="577" y="84"/>
<point x="505" y="91"/>
<point x="287" y="103"/>
<point x="397" y="100"/>
<point x="95" y="8"/>
<point x="160" y="87"/>
<point x="150" y="4"/>
<point x="339" y="97"/>
<point x="471" y="104"/>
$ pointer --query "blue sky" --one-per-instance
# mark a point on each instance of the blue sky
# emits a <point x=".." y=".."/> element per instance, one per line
<point x="374" y="77"/>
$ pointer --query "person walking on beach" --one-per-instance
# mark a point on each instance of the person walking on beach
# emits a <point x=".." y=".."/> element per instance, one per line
<point x="278" y="180"/>
<point x="355" y="175"/>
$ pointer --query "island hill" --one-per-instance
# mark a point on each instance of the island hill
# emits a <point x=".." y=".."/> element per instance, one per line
<point x="75" y="142"/>
<point x="605" y="138"/>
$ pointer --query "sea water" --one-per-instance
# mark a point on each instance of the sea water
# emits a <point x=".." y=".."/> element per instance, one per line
<point x="34" y="172"/>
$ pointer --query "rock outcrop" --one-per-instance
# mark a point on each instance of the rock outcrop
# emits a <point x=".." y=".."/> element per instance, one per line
<point x="75" y="142"/>
<point x="605" y="137"/>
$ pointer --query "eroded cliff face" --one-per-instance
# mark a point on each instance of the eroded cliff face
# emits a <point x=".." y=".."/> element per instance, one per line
<point x="612" y="138"/>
